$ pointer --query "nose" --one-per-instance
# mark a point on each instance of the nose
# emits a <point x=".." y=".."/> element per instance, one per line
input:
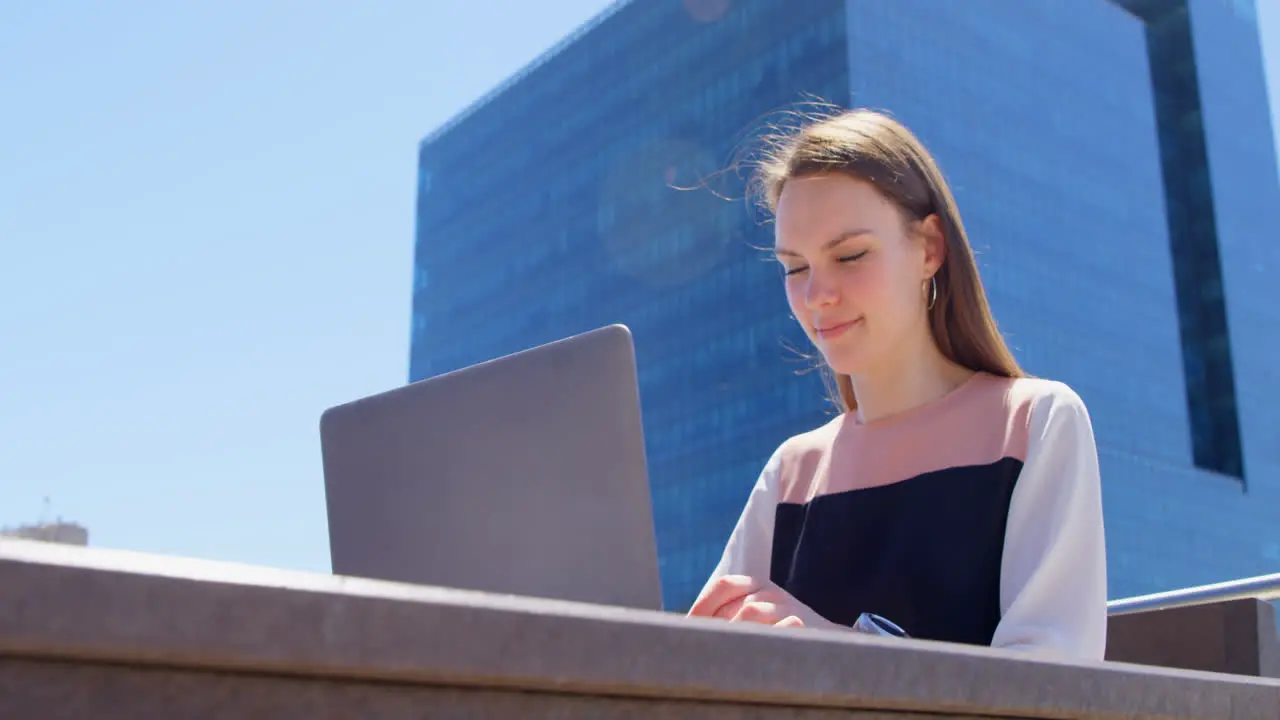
<point x="820" y="291"/>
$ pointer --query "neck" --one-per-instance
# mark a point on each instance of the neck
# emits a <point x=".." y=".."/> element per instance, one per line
<point x="914" y="378"/>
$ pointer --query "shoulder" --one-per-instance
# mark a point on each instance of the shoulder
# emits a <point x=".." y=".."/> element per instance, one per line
<point x="795" y="462"/>
<point x="815" y="441"/>
<point x="1032" y="411"/>
<point x="1049" y="405"/>
<point x="1038" y="394"/>
<point x="1055" y="418"/>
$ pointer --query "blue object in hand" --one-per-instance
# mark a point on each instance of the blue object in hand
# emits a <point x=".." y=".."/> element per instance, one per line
<point x="873" y="624"/>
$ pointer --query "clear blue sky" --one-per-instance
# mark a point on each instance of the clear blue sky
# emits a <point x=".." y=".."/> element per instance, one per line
<point x="206" y="225"/>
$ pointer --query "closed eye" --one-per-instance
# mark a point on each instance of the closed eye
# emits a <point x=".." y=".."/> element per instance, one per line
<point x="846" y="259"/>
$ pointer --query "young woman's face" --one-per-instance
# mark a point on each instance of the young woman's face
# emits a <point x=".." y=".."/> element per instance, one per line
<point x="856" y="279"/>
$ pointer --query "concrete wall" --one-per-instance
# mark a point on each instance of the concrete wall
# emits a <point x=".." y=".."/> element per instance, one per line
<point x="88" y="632"/>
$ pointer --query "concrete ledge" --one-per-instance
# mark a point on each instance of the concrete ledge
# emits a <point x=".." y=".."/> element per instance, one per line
<point x="78" y="620"/>
<point x="65" y="690"/>
<point x="1237" y="636"/>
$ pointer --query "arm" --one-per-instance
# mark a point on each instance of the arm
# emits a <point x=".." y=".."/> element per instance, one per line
<point x="740" y="587"/>
<point x="749" y="550"/>
<point x="1053" y="586"/>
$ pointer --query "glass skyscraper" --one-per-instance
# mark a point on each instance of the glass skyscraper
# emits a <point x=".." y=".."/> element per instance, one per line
<point x="1114" y="163"/>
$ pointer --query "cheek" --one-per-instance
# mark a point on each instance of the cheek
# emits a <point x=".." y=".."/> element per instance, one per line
<point x="899" y="308"/>
<point x="875" y="288"/>
<point x="864" y="287"/>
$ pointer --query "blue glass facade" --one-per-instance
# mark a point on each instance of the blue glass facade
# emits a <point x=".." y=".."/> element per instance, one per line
<point x="1106" y="180"/>
<point x="598" y="187"/>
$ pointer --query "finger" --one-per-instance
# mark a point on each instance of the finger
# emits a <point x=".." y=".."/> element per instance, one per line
<point x="767" y="595"/>
<point x="730" y="609"/>
<point x="758" y="612"/>
<point x="790" y="621"/>
<point x="724" y="590"/>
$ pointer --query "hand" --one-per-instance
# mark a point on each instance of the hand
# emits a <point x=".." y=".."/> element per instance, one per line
<point x="739" y="598"/>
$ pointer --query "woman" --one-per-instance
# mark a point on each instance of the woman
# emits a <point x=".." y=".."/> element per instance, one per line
<point x="954" y="496"/>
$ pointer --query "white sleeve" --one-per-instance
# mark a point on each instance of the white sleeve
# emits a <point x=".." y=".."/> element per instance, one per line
<point x="1053" y="584"/>
<point x="749" y="550"/>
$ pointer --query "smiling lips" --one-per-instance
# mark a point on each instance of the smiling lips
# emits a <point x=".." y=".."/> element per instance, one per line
<point x="831" y="332"/>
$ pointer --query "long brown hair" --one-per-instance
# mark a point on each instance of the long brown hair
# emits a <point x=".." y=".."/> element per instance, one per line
<point x="874" y="147"/>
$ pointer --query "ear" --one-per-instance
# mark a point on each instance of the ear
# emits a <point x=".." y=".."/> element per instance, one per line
<point x="935" y="244"/>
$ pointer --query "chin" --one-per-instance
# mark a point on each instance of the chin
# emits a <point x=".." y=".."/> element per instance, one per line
<point x="844" y="369"/>
<point x="843" y="363"/>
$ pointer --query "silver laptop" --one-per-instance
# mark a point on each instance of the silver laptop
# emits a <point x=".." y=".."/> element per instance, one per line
<point x="522" y="475"/>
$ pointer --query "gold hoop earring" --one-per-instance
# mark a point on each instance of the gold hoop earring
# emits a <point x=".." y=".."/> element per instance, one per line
<point x="933" y="292"/>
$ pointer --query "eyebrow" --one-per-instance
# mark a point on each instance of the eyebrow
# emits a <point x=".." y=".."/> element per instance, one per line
<point x="847" y="235"/>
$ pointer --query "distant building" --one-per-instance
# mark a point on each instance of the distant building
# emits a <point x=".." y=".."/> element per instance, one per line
<point x="1115" y="165"/>
<point x="57" y="532"/>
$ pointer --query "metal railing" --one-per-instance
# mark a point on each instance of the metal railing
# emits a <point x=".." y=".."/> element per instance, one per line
<point x="1262" y="587"/>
